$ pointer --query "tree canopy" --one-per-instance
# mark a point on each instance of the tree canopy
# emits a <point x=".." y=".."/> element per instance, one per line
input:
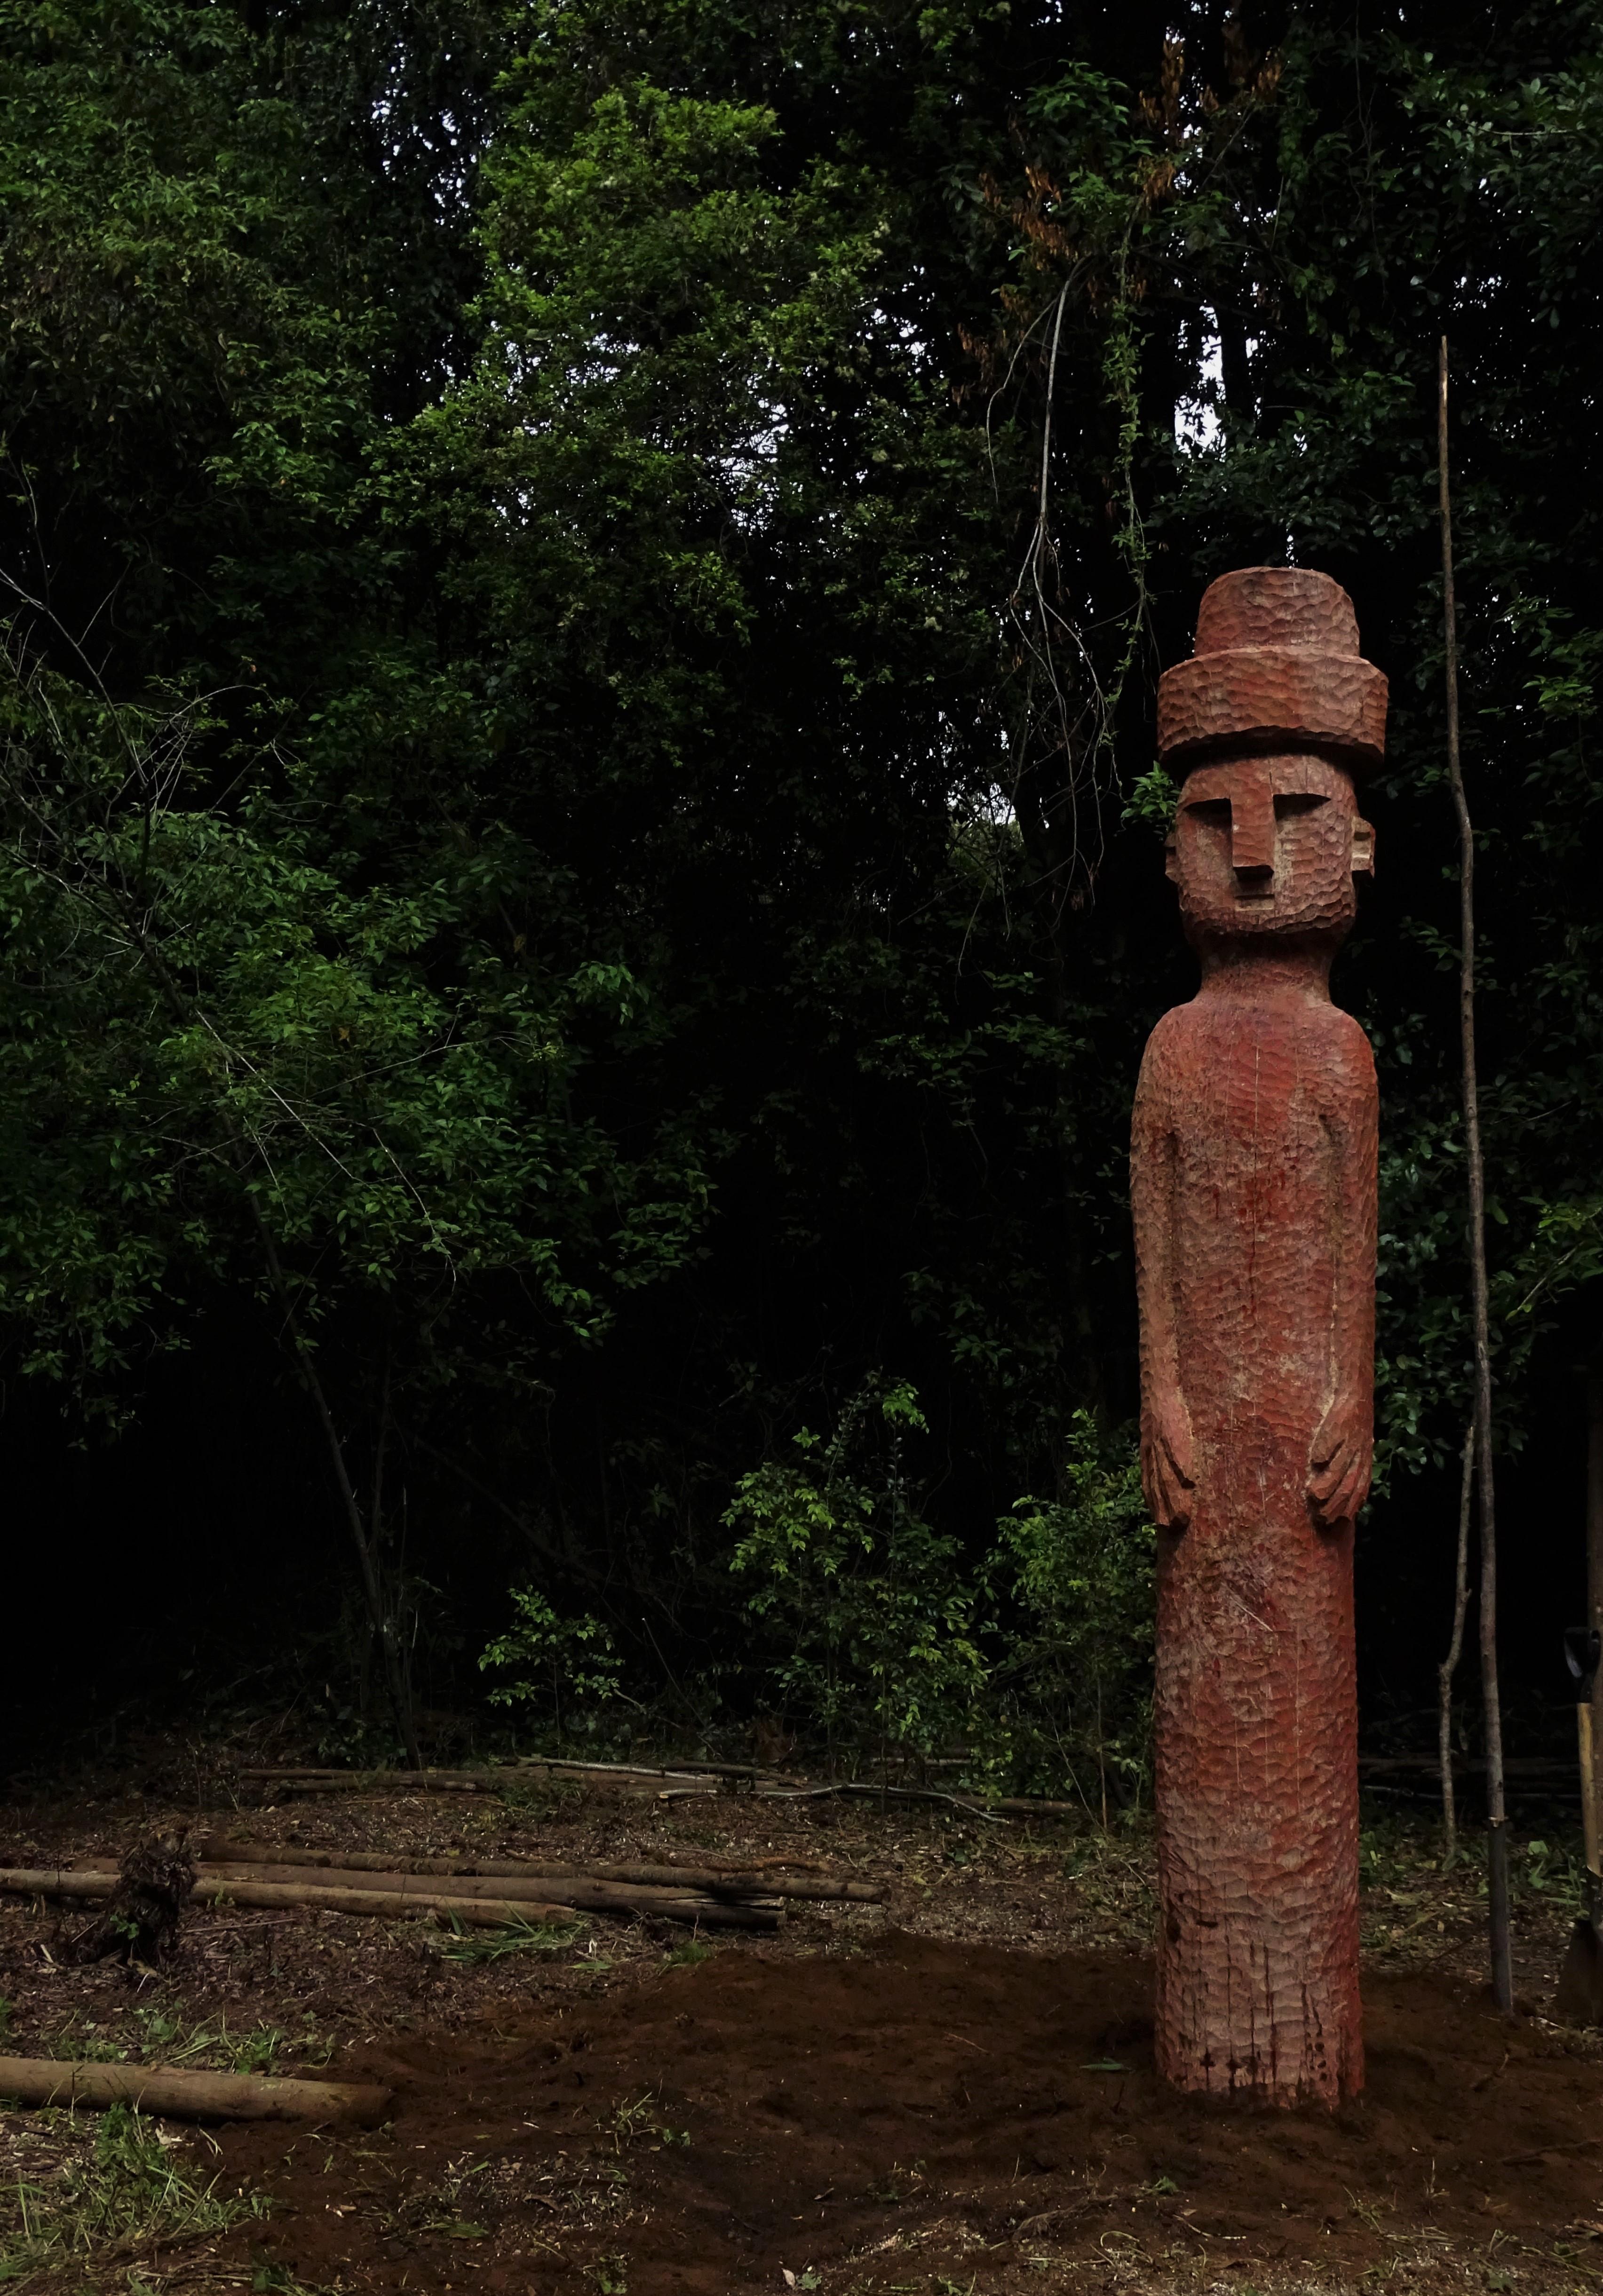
<point x="584" y="589"/>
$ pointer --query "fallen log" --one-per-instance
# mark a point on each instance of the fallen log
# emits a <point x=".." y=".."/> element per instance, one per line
<point x="357" y="1781"/>
<point x="182" y="2094"/>
<point x="481" y="1904"/>
<point x="851" y="1790"/>
<point x="775" y="1863"/>
<point x="84" y="1882"/>
<point x="683" y="1767"/>
<point x="495" y="1780"/>
<point x="542" y="1892"/>
<point x="672" y="1784"/>
<point x="528" y="1764"/>
<point x="715" y="1881"/>
<point x="694" y="1779"/>
<point x="733" y="1888"/>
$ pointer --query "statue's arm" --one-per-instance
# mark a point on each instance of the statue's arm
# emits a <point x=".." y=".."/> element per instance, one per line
<point x="1340" y="1459"/>
<point x="1167" y="1471"/>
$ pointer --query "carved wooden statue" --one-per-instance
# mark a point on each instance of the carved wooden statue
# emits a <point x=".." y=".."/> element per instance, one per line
<point x="1253" y="1177"/>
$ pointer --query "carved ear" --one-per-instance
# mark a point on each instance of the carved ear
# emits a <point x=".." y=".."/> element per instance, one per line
<point x="1364" y="849"/>
<point x="1171" y="867"/>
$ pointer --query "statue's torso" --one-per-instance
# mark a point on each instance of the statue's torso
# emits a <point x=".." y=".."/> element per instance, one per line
<point x="1256" y="1129"/>
<point x="1268" y="1113"/>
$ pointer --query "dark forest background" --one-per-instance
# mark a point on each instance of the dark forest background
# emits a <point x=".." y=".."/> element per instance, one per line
<point x="583" y="583"/>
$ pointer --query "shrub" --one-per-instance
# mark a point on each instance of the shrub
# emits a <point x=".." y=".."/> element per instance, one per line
<point x="1075" y="1576"/>
<point x="875" y="1625"/>
<point x="567" y="1669"/>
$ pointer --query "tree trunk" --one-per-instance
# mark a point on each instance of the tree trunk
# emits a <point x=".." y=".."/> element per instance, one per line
<point x="380" y="1613"/>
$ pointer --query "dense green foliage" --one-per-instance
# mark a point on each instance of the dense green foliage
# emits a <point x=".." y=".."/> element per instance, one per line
<point x="877" y="1628"/>
<point x="586" y="585"/>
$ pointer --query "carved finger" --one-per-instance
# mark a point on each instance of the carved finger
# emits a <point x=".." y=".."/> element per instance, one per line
<point x="1177" y="1510"/>
<point x="1330" y="1472"/>
<point x="1151" y="1490"/>
<point x="1355" y="1488"/>
<point x="1346" y="1498"/>
<point x="1330" y="1439"/>
<point x="1325" y="1502"/>
<point x="1179" y="1462"/>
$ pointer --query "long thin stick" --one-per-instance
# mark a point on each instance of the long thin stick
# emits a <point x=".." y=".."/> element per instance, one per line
<point x="1502" y="1970"/>
<point x="1455" y="1651"/>
<point x="1595" y="1548"/>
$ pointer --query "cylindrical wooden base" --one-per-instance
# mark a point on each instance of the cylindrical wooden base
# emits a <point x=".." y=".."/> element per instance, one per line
<point x="1257" y="1809"/>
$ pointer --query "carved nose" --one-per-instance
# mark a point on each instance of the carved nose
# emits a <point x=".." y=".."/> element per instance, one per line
<point x="1253" y="841"/>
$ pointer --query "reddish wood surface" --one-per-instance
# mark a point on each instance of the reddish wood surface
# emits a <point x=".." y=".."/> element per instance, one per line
<point x="1277" y="667"/>
<point x="1253" y="1187"/>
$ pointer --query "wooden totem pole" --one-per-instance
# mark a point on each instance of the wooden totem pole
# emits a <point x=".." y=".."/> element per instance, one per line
<point x="1252" y="1180"/>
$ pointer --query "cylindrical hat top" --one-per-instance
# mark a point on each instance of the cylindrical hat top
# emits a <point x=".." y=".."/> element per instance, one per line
<point x="1277" y="667"/>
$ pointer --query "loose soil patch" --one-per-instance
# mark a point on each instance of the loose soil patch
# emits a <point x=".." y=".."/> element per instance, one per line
<point x="954" y="2092"/>
<point x="756" y="2113"/>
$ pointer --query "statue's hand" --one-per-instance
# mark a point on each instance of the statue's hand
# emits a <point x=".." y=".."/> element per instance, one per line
<point x="1168" y="1476"/>
<point x="1338" y="1479"/>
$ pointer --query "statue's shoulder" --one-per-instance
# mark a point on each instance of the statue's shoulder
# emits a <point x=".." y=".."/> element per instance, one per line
<point x="1175" y="1051"/>
<point x="1169" y="1039"/>
<point x="1339" y="1066"/>
<point x="1178" y="1022"/>
<point x="1343" y="1041"/>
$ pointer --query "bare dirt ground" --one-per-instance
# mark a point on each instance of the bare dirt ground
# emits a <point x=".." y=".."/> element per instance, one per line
<point x="949" y="2093"/>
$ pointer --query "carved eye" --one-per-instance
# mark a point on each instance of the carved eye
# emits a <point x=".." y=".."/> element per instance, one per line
<point x="1298" y="801"/>
<point x="1212" y="808"/>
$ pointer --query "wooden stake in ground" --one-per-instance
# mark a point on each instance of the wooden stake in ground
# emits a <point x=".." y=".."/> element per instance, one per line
<point x="1594" y="1542"/>
<point x="1497" y="1827"/>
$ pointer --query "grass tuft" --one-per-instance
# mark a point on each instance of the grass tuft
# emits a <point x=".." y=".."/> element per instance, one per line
<point x="129" y="2193"/>
<point x="686" y="1956"/>
<point x="519" y="1937"/>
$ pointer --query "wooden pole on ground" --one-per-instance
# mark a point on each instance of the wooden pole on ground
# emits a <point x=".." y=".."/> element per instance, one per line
<point x="483" y="1904"/>
<point x="180" y="2094"/>
<point x="220" y="1851"/>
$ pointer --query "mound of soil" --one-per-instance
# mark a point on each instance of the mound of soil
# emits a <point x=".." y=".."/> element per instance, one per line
<point x="712" y="2126"/>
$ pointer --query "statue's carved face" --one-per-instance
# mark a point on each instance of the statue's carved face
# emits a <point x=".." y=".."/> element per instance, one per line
<point x="1269" y="846"/>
